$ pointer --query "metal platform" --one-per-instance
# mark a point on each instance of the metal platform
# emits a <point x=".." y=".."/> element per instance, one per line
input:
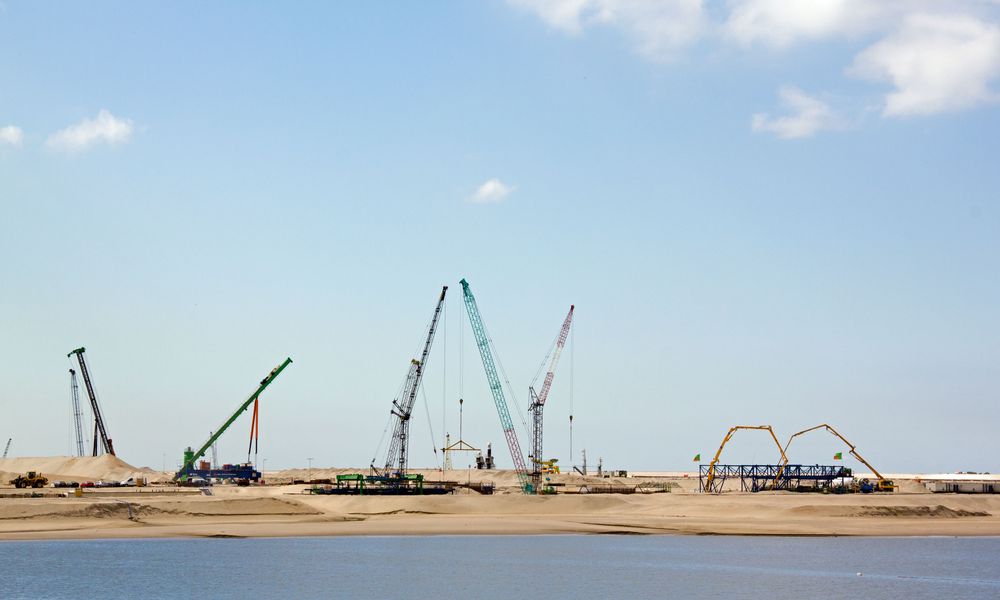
<point x="756" y="478"/>
<point x="356" y="484"/>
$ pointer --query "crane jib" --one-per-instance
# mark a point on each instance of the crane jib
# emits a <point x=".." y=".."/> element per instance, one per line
<point x="482" y="341"/>
<point x="188" y="464"/>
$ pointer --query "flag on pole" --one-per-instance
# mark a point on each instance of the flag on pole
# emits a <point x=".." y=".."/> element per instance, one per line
<point x="838" y="456"/>
<point x="697" y="457"/>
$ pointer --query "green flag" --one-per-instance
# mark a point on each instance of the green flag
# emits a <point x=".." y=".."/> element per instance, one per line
<point x="697" y="457"/>
<point x="838" y="456"/>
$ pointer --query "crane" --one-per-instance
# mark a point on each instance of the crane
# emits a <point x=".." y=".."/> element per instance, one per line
<point x="883" y="485"/>
<point x="191" y="456"/>
<point x="396" y="456"/>
<point x="74" y="388"/>
<point x="729" y="435"/>
<point x="483" y="341"/>
<point x="538" y="403"/>
<point x="99" y="429"/>
<point x="6" y="448"/>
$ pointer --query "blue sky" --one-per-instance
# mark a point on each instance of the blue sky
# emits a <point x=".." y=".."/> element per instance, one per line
<point x="763" y="214"/>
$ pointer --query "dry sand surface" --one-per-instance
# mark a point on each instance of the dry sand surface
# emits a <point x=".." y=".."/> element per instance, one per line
<point x="284" y="510"/>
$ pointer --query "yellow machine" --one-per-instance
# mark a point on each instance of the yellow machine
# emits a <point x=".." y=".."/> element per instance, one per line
<point x="549" y="466"/>
<point x="881" y="484"/>
<point x="32" y="480"/>
<point x="711" y="467"/>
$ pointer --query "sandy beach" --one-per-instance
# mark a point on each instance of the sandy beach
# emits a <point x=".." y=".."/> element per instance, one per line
<point x="280" y="510"/>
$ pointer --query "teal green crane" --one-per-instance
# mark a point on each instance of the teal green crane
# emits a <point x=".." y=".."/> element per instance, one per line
<point x="190" y="456"/>
<point x="483" y="341"/>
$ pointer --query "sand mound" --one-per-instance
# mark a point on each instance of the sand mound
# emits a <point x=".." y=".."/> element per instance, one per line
<point x="69" y="468"/>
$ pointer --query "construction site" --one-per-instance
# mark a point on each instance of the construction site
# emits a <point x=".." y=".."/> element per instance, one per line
<point x="97" y="491"/>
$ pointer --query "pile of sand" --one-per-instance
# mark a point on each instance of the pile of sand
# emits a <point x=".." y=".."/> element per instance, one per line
<point x="69" y="468"/>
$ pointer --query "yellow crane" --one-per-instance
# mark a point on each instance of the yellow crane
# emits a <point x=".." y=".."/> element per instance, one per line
<point x="882" y="484"/>
<point x="711" y="466"/>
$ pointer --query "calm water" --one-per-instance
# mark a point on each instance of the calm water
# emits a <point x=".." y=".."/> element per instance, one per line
<point x="505" y="567"/>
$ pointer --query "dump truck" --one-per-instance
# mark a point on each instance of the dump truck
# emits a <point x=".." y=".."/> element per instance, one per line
<point x="32" y="480"/>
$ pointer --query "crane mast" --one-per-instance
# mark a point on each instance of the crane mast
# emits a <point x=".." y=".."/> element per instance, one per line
<point x="538" y="402"/>
<point x="397" y="457"/>
<point x="483" y="342"/>
<point x="99" y="430"/>
<point x="77" y="413"/>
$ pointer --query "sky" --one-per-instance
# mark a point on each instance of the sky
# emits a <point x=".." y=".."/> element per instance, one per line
<point x="764" y="212"/>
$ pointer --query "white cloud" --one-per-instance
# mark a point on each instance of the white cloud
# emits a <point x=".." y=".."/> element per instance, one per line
<point x="11" y="135"/>
<point x="567" y="15"/>
<point x="658" y="28"/>
<point x="105" y="128"/>
<point x="781" y="23"/>
<point x="936" y="63"/>
<point x="491" y="191"/>
<point x="808" y="116"/>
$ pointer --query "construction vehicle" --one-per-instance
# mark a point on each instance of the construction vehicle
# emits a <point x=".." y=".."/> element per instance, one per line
<point x="710" y="477"/>
<point x="397" y="456"/>
<point x="489" y="365"/>
<point x="547" y="467"/>
<point x="240" y="472"/>
<point x="865" y="486"/>
<point x="31" y="480"/>
<point x="6" y="448"/>
<point x="100" y="432"/>
<point x="538" y="405"/>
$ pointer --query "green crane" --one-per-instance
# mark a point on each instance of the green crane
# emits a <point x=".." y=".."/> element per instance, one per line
<point x="483" y="341"/>
<point x="191" y="456"/>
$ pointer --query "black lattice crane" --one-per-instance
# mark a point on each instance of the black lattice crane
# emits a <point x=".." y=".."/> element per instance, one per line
<point x="396" y="458"/>
<point x="100" y="433"/>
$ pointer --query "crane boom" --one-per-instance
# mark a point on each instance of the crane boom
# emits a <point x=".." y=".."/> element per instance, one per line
<point x="884" y="484"/>
<point x="77" y="413"/>
<point x="109" y="447"/>
<point x="538" y="402"/>
<point x="191" y="457"/>
<point x="710" y="477"/>
<point x="6" y="448"/>
<point x="403" y="408"/>
<point x="482" y="340"/>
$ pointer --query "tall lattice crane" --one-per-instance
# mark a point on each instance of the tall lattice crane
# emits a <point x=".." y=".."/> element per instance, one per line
<point x="6" y="448"/>
<point x="483" y="341"/>
<point x="396" y="458"/>
<point x="74" y="389"/>
<point x="99" y="430"/>
<point x="538" y="402"/>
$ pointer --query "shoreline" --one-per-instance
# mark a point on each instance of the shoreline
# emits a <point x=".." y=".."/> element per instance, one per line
<point x="283" y="511"/>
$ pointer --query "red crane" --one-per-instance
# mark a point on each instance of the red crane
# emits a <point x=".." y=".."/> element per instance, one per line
<point x="538" y="402"/>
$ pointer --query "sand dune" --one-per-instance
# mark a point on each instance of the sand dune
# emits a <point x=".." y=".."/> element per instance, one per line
<point x="70" y="468"/>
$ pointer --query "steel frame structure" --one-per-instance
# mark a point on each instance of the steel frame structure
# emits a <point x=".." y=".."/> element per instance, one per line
<point x="756" y="478"/>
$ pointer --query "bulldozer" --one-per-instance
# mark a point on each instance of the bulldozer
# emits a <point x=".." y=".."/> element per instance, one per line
<point x="32" y="480"/>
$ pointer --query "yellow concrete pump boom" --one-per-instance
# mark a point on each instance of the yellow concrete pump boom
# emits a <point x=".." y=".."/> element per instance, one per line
<point x="883" y="483"/>
<point x="711" y="467"/>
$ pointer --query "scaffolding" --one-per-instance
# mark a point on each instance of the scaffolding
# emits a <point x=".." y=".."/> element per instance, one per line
<point x="756" y="478"/>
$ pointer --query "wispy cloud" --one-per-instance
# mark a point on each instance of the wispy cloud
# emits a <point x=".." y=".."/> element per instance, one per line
<point x="808" y="115"/>
<point x="936" y="63"/>
<point x="657" y="28"/>
<point x="11" y="135"/>
<point x="939" y="55"/>
<point x="105" y="128"/>
<point x="780" y="23"/>
<point x="491" y="191"/>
